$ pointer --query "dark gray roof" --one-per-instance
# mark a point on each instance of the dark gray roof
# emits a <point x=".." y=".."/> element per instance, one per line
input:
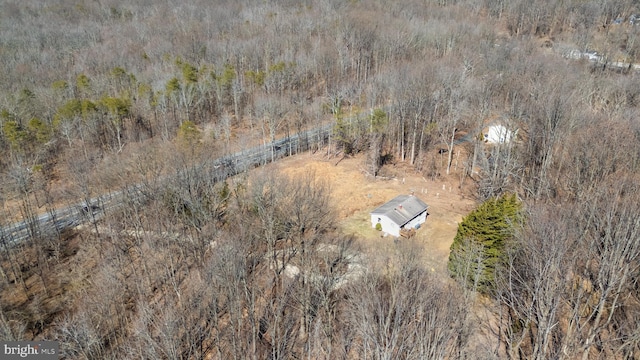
<point x="401" y="209"/>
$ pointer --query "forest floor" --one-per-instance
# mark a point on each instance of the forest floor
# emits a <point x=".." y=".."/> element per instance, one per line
<point x="355" y="194"/>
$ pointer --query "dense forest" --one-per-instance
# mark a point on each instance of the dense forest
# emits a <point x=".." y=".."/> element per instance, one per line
<point x="98" y="96"/>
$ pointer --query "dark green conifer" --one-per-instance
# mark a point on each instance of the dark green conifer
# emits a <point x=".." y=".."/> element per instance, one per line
<point x="479" y="245"/>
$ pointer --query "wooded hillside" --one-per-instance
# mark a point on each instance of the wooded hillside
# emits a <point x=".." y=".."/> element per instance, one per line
<point x="98" y="96"/>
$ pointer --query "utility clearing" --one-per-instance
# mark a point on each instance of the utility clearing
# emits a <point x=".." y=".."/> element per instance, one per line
<point x="355" y="194"/>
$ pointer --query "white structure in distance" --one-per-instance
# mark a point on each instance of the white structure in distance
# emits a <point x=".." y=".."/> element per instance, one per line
<point x="498" y="134"/>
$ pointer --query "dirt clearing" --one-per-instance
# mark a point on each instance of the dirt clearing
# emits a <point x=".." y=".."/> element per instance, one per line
<point x="355" y="194"/>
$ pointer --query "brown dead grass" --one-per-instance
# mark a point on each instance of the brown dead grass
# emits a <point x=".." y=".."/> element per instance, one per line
<point x="355" y="194"/>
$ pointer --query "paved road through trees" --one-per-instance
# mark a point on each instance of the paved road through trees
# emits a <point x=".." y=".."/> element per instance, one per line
<point x="93" y="209"/>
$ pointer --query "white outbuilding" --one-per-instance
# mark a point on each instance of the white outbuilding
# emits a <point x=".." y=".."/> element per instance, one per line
<point x="402" y="212"/>
<point x="498" y="134"/>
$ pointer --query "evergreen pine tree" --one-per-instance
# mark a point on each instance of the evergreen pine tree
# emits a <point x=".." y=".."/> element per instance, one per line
<point x="479" y="245"/>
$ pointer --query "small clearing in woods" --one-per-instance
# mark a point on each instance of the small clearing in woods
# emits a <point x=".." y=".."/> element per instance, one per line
<point x="355" y="194"/>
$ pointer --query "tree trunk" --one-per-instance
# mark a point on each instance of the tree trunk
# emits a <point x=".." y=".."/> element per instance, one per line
<point x="450" y="155"/>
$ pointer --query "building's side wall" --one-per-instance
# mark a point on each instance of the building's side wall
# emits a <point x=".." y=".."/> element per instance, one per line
<point x="420" y="219"/>
<point x="388" y="226"/>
